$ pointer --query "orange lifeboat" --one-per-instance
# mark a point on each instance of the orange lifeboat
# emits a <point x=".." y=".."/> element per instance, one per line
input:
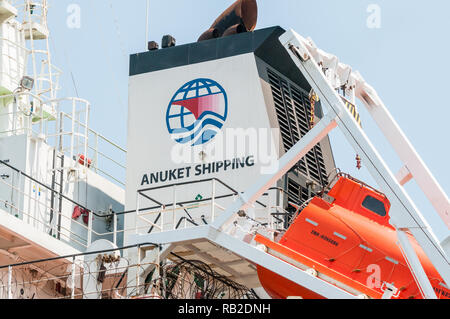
<point x="348" y="243"/>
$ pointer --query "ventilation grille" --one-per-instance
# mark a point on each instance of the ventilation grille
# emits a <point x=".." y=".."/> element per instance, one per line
<point x="293" y="108"/>
<point x="296" y="193"/>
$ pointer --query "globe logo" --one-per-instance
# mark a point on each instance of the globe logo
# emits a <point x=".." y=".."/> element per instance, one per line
<point x="197" y="112"/>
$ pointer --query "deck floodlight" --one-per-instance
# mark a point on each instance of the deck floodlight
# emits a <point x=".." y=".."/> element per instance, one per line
<point x="27" y="83"/>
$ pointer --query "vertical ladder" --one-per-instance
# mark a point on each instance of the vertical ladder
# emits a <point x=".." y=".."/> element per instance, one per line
<point x="36" y="29"/>
<point x="56" y="197"/>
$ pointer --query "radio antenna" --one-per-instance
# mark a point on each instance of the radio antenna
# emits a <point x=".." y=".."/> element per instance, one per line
<point x="147" y="9"/>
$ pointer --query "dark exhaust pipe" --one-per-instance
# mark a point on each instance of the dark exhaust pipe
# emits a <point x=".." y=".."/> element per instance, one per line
<point x="240" y="17"/>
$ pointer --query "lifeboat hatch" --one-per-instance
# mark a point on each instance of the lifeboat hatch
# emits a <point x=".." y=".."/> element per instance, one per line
<point x="354" y="195"/>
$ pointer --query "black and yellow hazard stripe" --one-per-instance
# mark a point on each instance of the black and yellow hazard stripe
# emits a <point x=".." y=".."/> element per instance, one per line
<point x="353" y="111"/>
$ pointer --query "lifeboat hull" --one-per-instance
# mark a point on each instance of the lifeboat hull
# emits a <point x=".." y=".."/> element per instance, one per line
<point x="349" y="245"/>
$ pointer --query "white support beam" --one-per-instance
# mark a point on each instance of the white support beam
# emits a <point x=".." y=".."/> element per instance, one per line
<point x="404" y="214"/>
<point x="405" y="150"/>
<point x="338" y="75"/>
<point x="286" y="162"/>
<point x="418" y="272"/>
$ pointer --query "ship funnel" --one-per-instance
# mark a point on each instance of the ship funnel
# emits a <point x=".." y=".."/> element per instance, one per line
<point x="240" y="17"/>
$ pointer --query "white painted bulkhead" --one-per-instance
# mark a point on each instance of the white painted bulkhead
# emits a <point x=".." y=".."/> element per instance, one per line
<point x="32" y="203"/>
<point x="151" y="148"/>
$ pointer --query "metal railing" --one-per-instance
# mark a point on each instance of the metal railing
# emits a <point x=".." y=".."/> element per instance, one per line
<point x="15" y="66"/>
<point x="63" y="124"/>
<point x="113" y="274"/>
<point x="36" y="10"/>
<point x="185" y="213"/>
<point x="99" y="156"/>
<point x="54" y="222"/>
<point x="93" y="275"/>
<point x="172" y="215"/>
<point x="39" y="112"/>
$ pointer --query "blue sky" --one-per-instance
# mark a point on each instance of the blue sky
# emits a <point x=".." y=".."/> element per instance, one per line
<point x="406" y="61"/>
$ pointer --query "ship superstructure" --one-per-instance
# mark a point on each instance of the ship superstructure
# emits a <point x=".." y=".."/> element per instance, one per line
<point x="56" y="197"/>
<point x="231" y="184"/>
<point x="276" y="81"/>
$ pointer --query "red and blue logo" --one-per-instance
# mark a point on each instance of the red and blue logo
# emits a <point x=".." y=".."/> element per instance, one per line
<point x="197" y="112"/>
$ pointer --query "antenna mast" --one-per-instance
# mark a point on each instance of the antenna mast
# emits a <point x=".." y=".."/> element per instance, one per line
<point x="146" y="22"/>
